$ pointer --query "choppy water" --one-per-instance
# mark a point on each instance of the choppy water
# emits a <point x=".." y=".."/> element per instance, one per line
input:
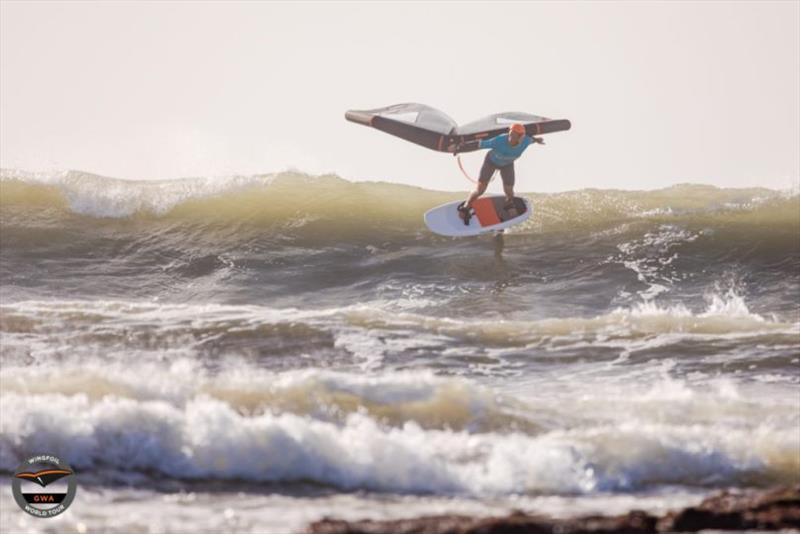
<point x="254" y="352"/>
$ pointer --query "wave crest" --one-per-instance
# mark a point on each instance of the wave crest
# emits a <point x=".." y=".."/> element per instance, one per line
<point x="299" y="199"/>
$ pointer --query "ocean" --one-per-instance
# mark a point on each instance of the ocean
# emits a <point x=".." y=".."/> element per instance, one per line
<point x="252" y="353"/>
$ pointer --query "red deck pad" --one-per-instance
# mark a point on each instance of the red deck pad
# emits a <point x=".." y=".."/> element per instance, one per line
<point x="484" y="210"/>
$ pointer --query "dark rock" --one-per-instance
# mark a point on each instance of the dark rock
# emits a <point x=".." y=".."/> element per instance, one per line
<point x="739" y="510"/>
<point x="518" y="523"/>
<point x="774" y="509"/>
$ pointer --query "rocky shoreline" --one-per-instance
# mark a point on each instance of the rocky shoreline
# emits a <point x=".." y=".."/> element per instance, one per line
<point x="774" y="509"/>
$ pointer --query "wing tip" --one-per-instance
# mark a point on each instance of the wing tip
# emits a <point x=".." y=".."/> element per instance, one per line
<point x="358" y="117"/>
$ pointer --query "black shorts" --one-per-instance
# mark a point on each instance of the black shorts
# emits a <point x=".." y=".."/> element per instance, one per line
<point x="488" y="168"/>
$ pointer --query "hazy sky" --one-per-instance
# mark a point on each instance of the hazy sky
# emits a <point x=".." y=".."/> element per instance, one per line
<point x="658" y="93"/>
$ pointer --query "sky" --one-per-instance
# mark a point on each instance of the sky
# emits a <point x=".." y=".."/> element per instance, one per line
<point x="658" y="93"/>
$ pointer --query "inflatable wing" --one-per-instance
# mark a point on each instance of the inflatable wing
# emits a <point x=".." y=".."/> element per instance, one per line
<point x="433" y="129"/>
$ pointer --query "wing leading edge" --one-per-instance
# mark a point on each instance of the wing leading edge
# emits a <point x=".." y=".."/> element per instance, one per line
<point x="431" y="128"/>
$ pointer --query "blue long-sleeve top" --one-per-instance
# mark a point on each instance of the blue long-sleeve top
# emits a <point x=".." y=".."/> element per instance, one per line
<point x="502" y="152"/>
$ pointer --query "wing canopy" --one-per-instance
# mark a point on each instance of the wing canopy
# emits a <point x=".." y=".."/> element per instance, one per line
<point x="417" y="123"/>
<point x="431" y="128"/>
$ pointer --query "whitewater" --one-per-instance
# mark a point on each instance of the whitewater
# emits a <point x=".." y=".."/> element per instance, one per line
<point x="252" y="353"/>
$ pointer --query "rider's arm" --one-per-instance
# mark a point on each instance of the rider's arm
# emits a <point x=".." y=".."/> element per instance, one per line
<point x="488" y="143"/>
<point x="476" y="144"/>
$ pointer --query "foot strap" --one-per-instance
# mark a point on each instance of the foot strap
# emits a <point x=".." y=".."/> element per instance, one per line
<point x="466" y="214"/>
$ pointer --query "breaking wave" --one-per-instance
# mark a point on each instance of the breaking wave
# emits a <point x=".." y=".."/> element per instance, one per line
<point x="293" y="200"/>
<point x="411" y="432"/>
